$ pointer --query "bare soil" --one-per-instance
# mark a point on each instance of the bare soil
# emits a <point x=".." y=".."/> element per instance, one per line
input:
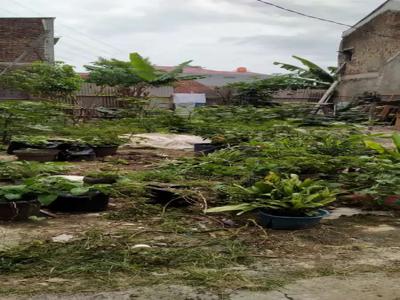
<point x="351" y="257"/>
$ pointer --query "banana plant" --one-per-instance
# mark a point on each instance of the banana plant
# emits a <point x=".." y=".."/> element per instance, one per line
<point x="146" y="71"/>
<point x="310" y="71"/>
<point x="133" y="78"/>
<point x="288" y="195"/>
<point x="393" y="154"/>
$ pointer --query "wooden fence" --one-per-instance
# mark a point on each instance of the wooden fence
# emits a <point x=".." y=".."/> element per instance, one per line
<point x="91" y="97"/>
<point x="304" y="95"/>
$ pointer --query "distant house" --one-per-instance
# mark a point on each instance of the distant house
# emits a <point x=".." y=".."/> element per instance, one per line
<point x="369" y="55"/>
<point x="213" y="78"/>
<point x="210" y="80"/>
<point x="23" y="41"/>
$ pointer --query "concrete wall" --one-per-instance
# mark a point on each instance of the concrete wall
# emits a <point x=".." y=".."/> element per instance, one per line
<point x="374" y="48"/>
<point x="16" y="34"/>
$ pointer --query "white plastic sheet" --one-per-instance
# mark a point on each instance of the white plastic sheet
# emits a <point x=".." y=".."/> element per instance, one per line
<point x="163" y="141"/>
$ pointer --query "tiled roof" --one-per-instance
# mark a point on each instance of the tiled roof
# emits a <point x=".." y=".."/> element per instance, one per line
<point x="191" y="86"/>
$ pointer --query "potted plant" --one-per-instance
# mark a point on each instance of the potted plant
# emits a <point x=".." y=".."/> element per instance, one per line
<point x="104" y="145"/>
<point x="33" y="148"/>
<point x="17" y="203"/>
<point x="60" y="194"/>
<point x="284" y="202"/>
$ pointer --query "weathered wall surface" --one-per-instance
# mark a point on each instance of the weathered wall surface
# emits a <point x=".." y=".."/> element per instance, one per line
<point x="389" y="80"/>
<point x="16" y="34"/>
<point x="373" y="47"/>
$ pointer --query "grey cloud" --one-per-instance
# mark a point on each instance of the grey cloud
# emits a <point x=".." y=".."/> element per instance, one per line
<point x="219" y="34"/>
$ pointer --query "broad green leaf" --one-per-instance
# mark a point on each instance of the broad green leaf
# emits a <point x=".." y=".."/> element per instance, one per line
<point x="396" y="140"/>
<point x="375" y="146"/>
<point x="79" y="191"/>
<point x="239" y="207"/>
<point x="47" y="199"/>
<point x="143" y="67"/>
<point x="13" y="196"/>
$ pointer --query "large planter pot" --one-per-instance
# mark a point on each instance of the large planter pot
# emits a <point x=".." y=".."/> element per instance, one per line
<point x="19" y="210"/>
<point x="41" y="155"/>
<point x="290" y="223"/>
<point x="205" y="148"/>
<point x="103" y="151"/>
<point x="91" y="202"/>
<point x="16" y="145"/>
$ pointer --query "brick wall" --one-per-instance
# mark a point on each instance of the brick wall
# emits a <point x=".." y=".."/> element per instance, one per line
<point x="372" y="60"/>
<point x="371" y="51"/>
<point x="16" y="34"/>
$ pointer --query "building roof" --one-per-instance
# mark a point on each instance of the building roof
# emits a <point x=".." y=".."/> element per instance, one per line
<point x="389" y="5"/>
<point x="203" y="71"/>
<point x="192" y="86"/>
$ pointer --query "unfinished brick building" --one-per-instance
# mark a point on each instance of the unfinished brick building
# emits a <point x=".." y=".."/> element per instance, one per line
<point x="23" y="41"/>
<point x="370" y="55"/>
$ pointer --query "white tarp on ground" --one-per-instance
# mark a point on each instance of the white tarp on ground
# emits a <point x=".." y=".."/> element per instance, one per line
<point x="163" y="141"/>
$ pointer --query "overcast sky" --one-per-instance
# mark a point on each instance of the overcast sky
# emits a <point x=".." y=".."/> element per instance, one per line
<point x="216" y="34"/>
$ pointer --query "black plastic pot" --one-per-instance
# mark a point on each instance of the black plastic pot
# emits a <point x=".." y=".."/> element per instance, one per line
<point x="103" y="151"/>
<point x="205" y="148"/>
<point x="41" y="155"/>
<point x="290" y="223"/>
<point x="91" y="202"/>
<point x="19" y="210"/>
<point x="99" y="180"/>
<point x="166" y="195"/>
<point x="77" y="154"/>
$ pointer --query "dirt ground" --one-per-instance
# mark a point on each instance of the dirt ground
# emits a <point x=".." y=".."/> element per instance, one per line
<point x="349" y="257"/>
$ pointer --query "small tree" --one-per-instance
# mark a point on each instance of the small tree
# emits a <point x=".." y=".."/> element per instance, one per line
<point x="133" y="78"/>
<point x="260" y="92"/>
<point x="43" y="80"/>
<point x="30" y="117"/>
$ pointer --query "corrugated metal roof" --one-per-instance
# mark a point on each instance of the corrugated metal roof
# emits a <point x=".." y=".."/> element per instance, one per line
<point x="203" y="71"/>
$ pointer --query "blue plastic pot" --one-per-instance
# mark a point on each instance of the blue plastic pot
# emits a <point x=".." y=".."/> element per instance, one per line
<point x="290" y="223"/>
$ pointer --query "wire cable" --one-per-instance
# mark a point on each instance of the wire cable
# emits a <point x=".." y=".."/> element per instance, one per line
<point x="323" y="19"/>
<point x="69" y="27"/>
